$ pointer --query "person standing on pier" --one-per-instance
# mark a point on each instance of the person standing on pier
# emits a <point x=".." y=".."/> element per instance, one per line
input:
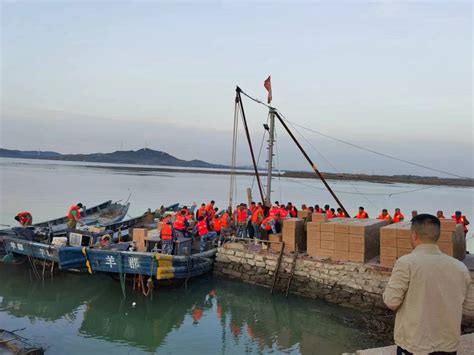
<point x="385" y="215"/>
<point x="460" y="219"/>
<point x="257" y="218"/>
<point x="430" y="291"/>
<point x="340" y="213"/>
<point x="362" y="214"/>
<point x="440" y="214"/>
<point x="242" y="220"/>
<point x="398" y="216"/>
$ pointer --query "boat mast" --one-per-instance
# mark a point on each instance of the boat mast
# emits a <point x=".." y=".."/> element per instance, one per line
<point x="271" y="139"/>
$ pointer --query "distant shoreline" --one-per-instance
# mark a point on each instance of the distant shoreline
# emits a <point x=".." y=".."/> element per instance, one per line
<point x="387" y="179"/>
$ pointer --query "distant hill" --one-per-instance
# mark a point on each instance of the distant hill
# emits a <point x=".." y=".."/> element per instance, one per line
<point x="143" y="157"/>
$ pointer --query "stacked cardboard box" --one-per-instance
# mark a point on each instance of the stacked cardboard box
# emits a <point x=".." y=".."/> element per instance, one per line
<point x="395" y="241"/>
<point x="275" y="238"/>
<point x="304" y="215"/>
<point x="138" y="236"/>
<point x="293" y="234"/>
<point x="345" y="239"/>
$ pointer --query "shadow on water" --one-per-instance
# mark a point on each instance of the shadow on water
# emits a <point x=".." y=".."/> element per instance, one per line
<point x="212" y="316"/>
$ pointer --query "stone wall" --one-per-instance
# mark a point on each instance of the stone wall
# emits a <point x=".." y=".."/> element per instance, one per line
<point x="346" y="283"/>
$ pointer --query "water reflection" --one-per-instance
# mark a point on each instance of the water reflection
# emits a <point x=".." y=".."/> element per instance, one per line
<point x="212" y="317"/>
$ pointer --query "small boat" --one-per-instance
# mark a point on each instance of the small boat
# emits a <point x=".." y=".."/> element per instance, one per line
<point x="13" y="344"/>
<point x="72" y="257"/>
<point x="106" y="213"/>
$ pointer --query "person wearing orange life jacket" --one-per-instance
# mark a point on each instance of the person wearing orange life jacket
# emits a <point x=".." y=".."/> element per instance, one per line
<point x="210" y="209"/>
<point x="181" y="225"/>
<point x="318" y="209"/>
<point x="340" y="213"/>
<point x="398" y="216"/>
<point x="24" y="218"/>
<point x="385" y="215"/>
<point x="283" y="212"/>
<point x="250" y="228"/>
<point x="304" y="207"/>
<point x="197" y="315"/>
<point x="269" y="225"/>
<point x="293" y="212"/>
<point x="201" y="212"/>
<point x="257" y="217"/>
<point x="166" y="235"/>
<point x="204" y="233"/>
<point x="242" y="220"/>
<point x="460" y="219"/>
<point x="74" y="215"/>
<point x="328" y="211"/>
<point x="226" y="223"/>
<point x="361" y="214"/>
<point x="217" y="225"/>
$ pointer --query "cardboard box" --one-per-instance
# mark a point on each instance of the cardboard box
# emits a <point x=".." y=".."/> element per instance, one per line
<point x="447" y="237"/>
<point x="138" y="236"/>
<point x="324" y="253"/>
<point x="388" y="251"/>
<point x="357" y="257"/>
<point x="388" y="261"/>
<point x="341" y="237"/>
<point x="327" y="236"/>
<point x="304" y="214"/>
<point x="447" y="224"/>
<point x="358" y="239"/>
<point x="313" y="226"/>
<point x="388" y="240"/>
<point x="327" y="244"/>
<point x="341" y="255"/>
<point x="327" y="227"/>
<point x="275" y="238"/>
<point x="447" y="248"/>
<point x="389" y="231"/>
<point x="341" y="246"/>
<point x="401" y="252"/>
<point x="292" y="223"/>
<point x="404" y="244"/>
<point x="319" y="217"/>
<point x="357" y="248"/>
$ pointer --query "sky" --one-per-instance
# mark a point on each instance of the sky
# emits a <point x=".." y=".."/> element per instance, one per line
<point x="393" y="76"/>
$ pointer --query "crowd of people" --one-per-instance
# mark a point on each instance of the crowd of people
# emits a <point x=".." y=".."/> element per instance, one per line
<point x="255" y="221"/>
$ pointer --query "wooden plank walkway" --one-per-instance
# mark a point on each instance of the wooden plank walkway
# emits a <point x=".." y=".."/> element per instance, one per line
<point x="466" y="347"/>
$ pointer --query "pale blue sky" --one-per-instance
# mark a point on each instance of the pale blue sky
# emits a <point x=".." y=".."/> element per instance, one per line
<point x="393" y="76"/>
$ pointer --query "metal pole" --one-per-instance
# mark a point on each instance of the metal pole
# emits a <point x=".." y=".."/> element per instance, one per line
<point x="312" y="164"/>
<point x="257" y="176"/>
<point x="271" y="137"/>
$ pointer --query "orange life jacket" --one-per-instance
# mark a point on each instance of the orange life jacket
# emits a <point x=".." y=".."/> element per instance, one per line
<point x="202" y="227"/>
<point x="166" y="229"/>
<point x="201" y="212"/>
<point x="242" y="215"/>
<point x="341" y="214"/>
<point x="330" y="214"/>
<point x="73" y="208"/>
<point x="265" y="223"/>
<point x="274" y="212"/>
<point x="25" y="218"/>
<point x="293" y="212"/>
<point x="319" y="210"/>
<point x="217" y="224"/>
<point x="225" y="220"/>
<point x="257" y="215"/>
<point x="362" y="215"/>
<point x="386" y="217"/>
<point x="398" y="217"/>
<point x="179" y="223"/>
<point x="197" y="314"/>
<point x="461" y="220"/>
<point x="283" y="213"/>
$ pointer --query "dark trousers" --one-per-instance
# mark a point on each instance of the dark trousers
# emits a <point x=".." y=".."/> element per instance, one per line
<point x="401" y="351"/>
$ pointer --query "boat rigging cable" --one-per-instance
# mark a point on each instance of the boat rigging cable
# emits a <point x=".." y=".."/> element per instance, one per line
<point x="358" y="146"/>
<point x="313" y="166"/>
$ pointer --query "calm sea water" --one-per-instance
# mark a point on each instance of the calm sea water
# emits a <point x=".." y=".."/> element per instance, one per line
<point x="76" y="314"/>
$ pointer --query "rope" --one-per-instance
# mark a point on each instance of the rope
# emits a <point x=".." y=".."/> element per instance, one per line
<point x="361" y="147"/>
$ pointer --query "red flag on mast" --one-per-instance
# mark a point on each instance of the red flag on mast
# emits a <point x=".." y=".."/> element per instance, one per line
<point x="268" y="85"/>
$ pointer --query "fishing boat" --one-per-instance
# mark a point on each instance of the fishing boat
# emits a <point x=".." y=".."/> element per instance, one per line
<point x="72" y="254"/>
<point x="105" y="213"/>
<point x="13" y="344"/>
